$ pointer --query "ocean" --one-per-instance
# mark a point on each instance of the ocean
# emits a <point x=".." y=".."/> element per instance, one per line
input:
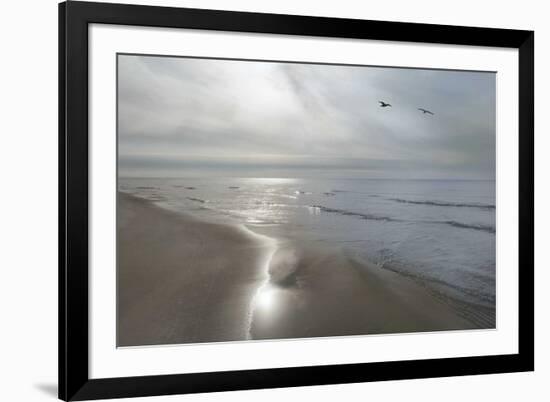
<point x="439" y="233"/>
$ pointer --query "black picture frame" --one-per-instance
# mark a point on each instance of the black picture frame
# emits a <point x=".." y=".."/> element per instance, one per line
<point x="74" y="381"/>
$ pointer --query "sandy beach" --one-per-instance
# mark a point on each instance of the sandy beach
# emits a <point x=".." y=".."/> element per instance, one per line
<point x="182" y="280"/>
<point x="328" y="293"/>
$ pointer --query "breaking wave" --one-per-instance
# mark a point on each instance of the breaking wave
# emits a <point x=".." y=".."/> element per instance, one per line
<point x="444" y="203"/>
<point x="357" y="214"/>
<point x="197" y="200"/>
<point x="366" y="216"/>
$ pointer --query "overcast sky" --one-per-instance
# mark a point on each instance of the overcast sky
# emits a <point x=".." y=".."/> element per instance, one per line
<point x="182" y="117"/>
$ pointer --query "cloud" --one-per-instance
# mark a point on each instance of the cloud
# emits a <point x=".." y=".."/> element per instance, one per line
<point x="184" y="116"/>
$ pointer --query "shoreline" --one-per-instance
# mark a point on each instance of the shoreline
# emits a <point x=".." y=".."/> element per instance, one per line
<point x="184" y="280"/>
<point x="173" y="283"/>
<point x="328" y="293"/>
<point x="271" y="249"/>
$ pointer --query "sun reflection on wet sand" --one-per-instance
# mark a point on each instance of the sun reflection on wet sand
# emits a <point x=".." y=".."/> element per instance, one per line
<point x="262" y="297"/>
<point x="278" y="295"/>
<point x="265" y="298"/>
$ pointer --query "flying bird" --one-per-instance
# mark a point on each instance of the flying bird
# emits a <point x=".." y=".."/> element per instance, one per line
<point x="424" y="111"/>
<point x="384" y="104"/>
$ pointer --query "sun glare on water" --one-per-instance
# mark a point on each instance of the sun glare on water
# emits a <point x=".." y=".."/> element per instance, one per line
<point x="273" y="180"/>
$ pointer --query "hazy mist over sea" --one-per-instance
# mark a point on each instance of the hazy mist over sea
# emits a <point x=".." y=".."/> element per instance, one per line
<point x="181" y="117"/>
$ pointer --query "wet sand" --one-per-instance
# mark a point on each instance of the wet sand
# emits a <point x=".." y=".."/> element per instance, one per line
<point x="328" y="293"/>
<point x="181" y="280"/>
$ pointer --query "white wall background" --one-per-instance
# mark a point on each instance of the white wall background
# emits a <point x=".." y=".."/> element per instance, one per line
<point x="28" y="199"/>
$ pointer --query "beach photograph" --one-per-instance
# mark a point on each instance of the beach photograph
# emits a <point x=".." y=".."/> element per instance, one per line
<point x="265" y="200"/>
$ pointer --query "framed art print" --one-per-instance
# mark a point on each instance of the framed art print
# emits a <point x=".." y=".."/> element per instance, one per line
<point x="258" y="200"/>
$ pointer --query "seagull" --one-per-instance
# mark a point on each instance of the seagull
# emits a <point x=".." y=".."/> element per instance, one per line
<point x="424" y="111"/>
<point x="384" y="104"/>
